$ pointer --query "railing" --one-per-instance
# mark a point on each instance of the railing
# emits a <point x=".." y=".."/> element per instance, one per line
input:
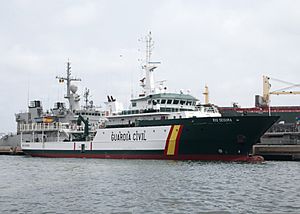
<point x="32" y="127"/>
<point x="282" y="128"/>
<point x="48" y="127"/>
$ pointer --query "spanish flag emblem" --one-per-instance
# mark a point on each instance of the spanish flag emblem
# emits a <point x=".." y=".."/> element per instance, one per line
<point x="173" y="140"/>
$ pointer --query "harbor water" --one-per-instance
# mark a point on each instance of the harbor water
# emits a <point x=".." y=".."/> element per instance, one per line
<point x="43" y="185"/>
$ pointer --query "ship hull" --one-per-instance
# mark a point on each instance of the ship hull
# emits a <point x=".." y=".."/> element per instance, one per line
<point x="211" y="139"/>
<point x="138" y="155"/>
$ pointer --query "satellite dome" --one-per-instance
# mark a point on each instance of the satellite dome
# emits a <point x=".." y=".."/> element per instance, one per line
<point x="73" y="88"/>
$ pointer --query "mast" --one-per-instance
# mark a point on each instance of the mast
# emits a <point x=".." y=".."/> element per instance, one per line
<point x="149" y="66"/>
<point x="86" y="97"/>
<point x="206" y="95"/>
<point x="73" y="98"/>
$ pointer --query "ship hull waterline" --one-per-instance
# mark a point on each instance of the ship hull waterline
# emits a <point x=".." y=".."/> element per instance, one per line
<point x="200" y="157"/>
<point x="205" y="139"/>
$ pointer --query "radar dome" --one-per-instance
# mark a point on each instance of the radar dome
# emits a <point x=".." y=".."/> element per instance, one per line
<point x="73" y="88"/>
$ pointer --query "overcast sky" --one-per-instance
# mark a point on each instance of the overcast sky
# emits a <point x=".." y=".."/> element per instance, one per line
<point x="227" y="45"/>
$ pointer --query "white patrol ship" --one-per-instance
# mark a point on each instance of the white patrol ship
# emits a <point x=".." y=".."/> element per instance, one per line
<point x="158" y="125"/>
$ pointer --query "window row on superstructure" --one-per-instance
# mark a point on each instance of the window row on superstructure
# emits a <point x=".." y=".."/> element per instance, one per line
<point x="168" y="102"/>
<point x="128" y="112"/>
<point x="172" y="101"/>
<point x="89" y="113"/>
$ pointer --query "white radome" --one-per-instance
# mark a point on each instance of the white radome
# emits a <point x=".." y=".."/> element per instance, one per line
<point x="73" y="88"/>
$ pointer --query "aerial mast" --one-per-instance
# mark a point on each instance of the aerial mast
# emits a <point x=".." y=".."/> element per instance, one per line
<point x="86" y="97"/>
<point x="149" y="66"/>
<point x="73" y="98"/>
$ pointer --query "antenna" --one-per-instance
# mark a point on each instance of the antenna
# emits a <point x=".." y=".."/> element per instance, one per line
<point x="69" y="79"/>
<point x="86" y="97"/>
<point x="148" y="65"/>
<point x="149" y="47"/>
<point x="28" y="90"/>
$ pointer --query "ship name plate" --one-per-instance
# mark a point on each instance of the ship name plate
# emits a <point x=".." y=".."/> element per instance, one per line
<point x="127" y="136"/>
<point x="222" y="120"/>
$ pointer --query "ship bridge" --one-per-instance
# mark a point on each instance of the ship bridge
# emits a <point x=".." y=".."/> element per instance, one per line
<point x="165" y="102"/>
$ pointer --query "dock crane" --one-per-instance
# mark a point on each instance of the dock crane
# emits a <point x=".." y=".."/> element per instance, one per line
<point x="265" y="99"/>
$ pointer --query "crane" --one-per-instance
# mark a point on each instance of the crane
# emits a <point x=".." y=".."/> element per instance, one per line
<point x="86" y="127"/>
<point x="283" y="91"/>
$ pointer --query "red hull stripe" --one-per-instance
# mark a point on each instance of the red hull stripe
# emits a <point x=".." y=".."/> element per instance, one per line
<point x="177" y="140"/>
<point x="150" y="156"/>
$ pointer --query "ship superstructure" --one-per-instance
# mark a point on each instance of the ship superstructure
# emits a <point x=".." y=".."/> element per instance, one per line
<point x="155" y="102"/>
<point x="61" y="121"/>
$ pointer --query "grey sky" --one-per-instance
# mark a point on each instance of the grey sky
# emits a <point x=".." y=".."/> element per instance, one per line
<point x="228" y="45"/>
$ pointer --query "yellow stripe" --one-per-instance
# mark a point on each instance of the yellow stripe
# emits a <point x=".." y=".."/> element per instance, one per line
<point x="172" y="141"/>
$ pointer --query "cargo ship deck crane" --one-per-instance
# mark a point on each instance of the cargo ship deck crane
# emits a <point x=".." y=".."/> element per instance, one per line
<point x="283" y="91"/>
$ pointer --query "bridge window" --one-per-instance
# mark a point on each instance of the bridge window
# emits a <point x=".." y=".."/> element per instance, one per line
<point x="163" y="101"/>
<point x="134" y="104"/>
<point x="169" y="101"/>
<point x="175" y="102"/>
<point x="182" y="102"/>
